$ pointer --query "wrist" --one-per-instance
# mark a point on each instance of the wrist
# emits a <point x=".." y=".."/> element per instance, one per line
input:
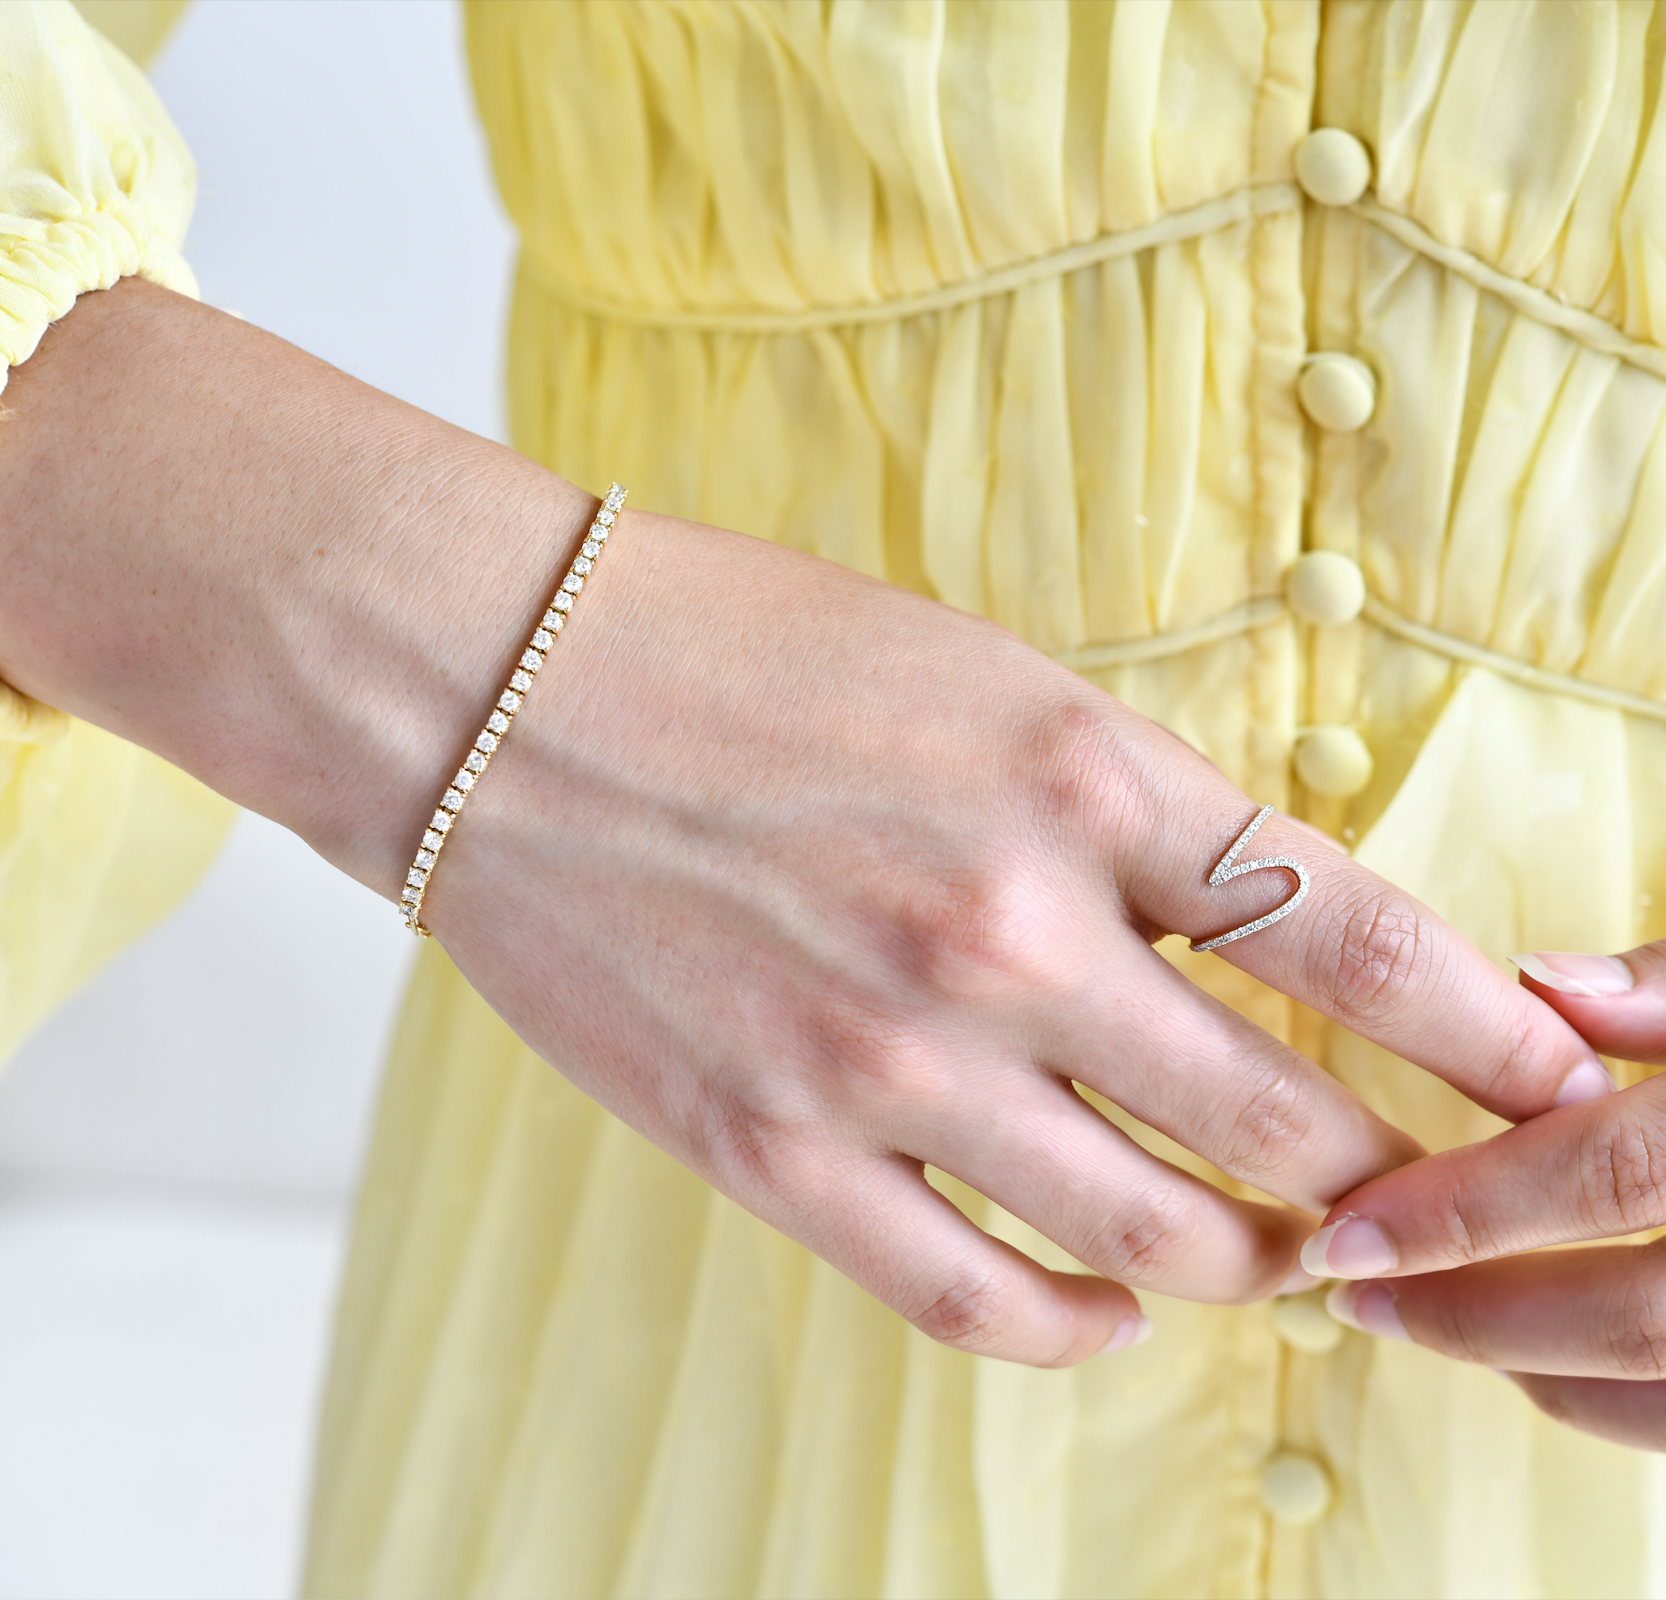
<point x="292" y="586"/>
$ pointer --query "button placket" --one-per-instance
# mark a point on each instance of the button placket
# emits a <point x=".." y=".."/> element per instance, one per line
<point x="1325" y="588"/>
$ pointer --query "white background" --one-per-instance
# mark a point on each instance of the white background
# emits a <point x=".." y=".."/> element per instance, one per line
<point x="178" y="1146"/>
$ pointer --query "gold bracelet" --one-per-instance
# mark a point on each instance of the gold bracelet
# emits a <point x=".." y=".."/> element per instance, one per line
<point x="497" y="725"/>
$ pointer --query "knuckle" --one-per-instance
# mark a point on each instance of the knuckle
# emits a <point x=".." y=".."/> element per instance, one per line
<point x="1634" y="1334"/>
<point x="879" y="1064"/>
<point x="981" y="934"/>
<point x="1083" y="786"/>
<point x="1143" y="1248"/>
<point x="751" y="1148"/>
<point x="1622" y="1173"/>
<point x="972" y="1313"/>
<point x="1382" y="952"/>
<point x="1269" y="1128"/>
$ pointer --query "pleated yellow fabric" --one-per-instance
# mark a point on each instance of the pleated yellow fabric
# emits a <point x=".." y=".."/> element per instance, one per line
<point x="97" y="838"/>
<point x="1006" y="302"/>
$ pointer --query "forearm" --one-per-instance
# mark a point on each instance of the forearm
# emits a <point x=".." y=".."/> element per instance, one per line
<point x="291" y="585"/>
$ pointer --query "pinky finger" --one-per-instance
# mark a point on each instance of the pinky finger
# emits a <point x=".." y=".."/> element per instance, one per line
<point x="923" y="1257"/>
<point x="1624" y="1410"/>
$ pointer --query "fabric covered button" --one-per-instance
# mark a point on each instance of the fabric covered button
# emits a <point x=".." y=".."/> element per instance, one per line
<point x="1295" y="1488"/>
<point x="1338" y="392"/>
<point x="1333" y="761"/>
<point x="1332" y="167"/>
<point x="1325" y="587"/>
<point x="1304" y="1324"/>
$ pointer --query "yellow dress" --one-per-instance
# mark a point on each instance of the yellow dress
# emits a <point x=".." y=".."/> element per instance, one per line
<point x="1012" y="303"/>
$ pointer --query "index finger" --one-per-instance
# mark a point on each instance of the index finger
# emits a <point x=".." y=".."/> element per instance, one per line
<point x="1356" y="948"/>
<point x="1595" y="1171"/>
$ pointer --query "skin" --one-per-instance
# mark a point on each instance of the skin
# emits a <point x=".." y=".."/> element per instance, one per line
<point x="1583" y="1332"/>
<point x="812" y="881"/>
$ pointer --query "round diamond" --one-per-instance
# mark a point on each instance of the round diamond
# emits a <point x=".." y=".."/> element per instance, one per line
<point x="416" y="877"/>
<point x="410" y="896"/>
<point x="487" y="742"/>
<point x="451" y="801"/>
<point x="425" y="859"/>
<point x="542" y="640"/>
<point x="572" y="583"/>
<point x="432" y="840"/>
<point x="509" y="701"/>
<point x="474" y="761"/>
<point x="521" y="681"/>
<point x="563" y="602"/>
<point x="598" y="534"/>
<point x="605" y="517"/>
<point x="440" y="822"/>
<point x="591" y="550"/>
<point x="497" y="722"/>
<point x="464" y="781"/>
<point x="582" y="565"/>
<point x="531" y="661"/>
<point x="554" y="621"/>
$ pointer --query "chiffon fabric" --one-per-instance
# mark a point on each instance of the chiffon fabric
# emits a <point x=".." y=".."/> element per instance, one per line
<point x="1006" y="302"/>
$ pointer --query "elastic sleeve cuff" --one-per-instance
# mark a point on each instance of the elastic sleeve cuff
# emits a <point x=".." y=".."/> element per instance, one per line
<point x="96" y="183"/>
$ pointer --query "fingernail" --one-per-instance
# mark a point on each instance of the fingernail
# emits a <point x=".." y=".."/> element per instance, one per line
<point x="1588" y="1081"/>
<point x="1568" y="973"/>
<point x="1129" y="1332"/>
<point x="1299" y="1282"/>
<point x="1351" y="1247"/>
<point x="1368" y="1307"/>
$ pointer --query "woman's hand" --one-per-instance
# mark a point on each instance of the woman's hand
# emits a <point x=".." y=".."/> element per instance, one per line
<point x="1582" y="1331"/>
<point x="811" y="880"/>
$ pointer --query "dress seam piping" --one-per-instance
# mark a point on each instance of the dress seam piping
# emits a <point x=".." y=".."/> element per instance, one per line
<point x="1585" y="327"/>
<point x="1256" y="200"/>
<point x="1268" y="610"/>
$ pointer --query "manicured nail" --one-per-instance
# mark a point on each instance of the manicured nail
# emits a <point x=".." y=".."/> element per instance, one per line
<point x="1576" y="974"/>
<point x="1588" y="1081"/>
<point x="1351" y="1247"/>
<point x="1129" y="1332"/>
<point x="1299" y="1282"/>
<point x="1368" y="1307"/>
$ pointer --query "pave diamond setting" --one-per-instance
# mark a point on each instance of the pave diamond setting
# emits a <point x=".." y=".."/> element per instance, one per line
<point x="508" y="704"/>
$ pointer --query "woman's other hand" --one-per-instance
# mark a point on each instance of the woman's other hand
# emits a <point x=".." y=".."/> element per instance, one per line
<point x="811" y="880"/>
<point x="1583" y="1332"/>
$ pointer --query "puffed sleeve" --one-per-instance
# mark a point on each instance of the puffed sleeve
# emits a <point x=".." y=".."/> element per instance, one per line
<point x="95" y="182"/>
<point x="98" y="839"/>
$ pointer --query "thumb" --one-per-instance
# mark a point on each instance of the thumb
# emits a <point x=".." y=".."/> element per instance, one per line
<point x="1618" y="1003"/>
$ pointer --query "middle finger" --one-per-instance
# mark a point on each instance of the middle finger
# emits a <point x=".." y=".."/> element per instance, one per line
<point x="1193" y="1068"/>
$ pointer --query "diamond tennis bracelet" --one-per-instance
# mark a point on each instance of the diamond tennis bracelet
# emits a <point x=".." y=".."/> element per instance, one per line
<point x="497" y="725"/>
